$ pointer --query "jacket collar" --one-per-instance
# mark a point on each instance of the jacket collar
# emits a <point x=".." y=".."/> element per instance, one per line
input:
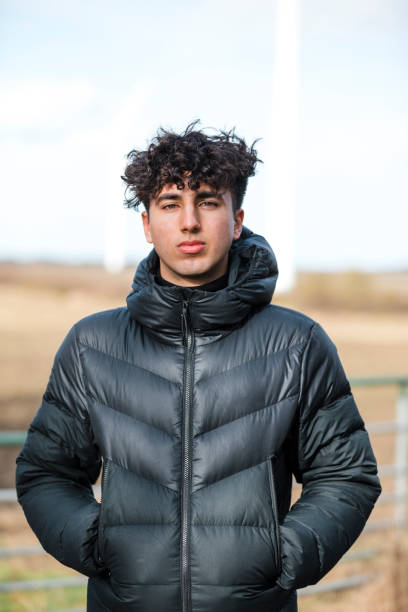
<point x="252" y="278"/>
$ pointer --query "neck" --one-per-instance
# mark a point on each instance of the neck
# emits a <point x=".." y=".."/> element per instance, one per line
<point x="218" y="283"/>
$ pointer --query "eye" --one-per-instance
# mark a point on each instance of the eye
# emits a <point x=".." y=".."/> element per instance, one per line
<point x="169" y="206"/>
<point x="208" y="203"/>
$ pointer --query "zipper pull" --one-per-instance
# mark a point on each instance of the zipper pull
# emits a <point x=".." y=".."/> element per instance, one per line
<point x="186" y="327"/>
<point x="184" y="321"/>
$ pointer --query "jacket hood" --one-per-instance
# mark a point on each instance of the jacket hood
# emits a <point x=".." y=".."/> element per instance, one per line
<point x="252" y="275"/>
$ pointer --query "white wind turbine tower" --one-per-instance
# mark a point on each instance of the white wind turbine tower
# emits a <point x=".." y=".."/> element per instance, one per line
<point x="118" y="142"/>
<point x="283" y="141"/>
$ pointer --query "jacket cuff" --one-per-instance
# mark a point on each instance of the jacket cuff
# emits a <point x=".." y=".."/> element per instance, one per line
<point x="79" y="541"/>
<point x="300" y="557"/>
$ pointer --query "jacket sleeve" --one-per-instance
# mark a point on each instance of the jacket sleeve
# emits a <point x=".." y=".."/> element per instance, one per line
<point x="57" y="465"/>
<point x="334" y="461"/>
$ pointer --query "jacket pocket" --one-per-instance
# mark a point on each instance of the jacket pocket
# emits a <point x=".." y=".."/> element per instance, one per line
<point x="105" y="477"/>
<point x="276" y="531"/>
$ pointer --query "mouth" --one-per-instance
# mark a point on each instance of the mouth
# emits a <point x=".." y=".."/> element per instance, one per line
<point x="193" y="246"/>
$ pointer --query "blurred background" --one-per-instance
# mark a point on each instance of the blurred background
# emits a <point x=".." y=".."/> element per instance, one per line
<point x="324" y="87"/>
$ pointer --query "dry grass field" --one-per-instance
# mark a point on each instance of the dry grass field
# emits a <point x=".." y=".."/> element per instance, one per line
<point x="365" y="315"/>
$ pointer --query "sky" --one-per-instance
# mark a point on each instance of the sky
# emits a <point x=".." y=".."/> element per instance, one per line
<point x="82" y="82"/>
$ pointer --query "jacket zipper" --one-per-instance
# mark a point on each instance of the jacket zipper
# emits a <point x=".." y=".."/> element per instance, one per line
<point x="104" y="481"/>
<point x="188" y="341"/>
<point x="278" y="558"/>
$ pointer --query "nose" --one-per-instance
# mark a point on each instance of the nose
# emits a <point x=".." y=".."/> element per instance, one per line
<point x="189" y="219"/>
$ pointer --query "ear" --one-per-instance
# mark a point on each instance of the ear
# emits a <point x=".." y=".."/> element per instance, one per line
<point x="146" y="226"/>
<point x="238" y="220"/>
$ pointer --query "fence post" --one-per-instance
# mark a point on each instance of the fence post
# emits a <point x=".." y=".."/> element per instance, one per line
<point x="401" y="452"/>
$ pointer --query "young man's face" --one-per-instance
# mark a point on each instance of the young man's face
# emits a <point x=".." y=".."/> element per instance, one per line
<point x="192" y="232"/>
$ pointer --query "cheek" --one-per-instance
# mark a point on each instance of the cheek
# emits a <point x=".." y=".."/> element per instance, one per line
<point x="160" y="235"/>
<point x="224" y="233"/>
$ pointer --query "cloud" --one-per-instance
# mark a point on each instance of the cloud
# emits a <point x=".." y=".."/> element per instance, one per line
<point x="42" y="103"/>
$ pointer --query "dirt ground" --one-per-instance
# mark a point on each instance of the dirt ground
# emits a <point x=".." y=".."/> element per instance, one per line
<point x="365" y="315"/>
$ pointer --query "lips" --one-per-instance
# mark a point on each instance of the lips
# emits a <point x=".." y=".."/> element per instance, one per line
<point x="194" y="246"/>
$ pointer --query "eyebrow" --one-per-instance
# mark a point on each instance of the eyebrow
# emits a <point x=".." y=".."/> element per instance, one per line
<point x="209" y="194"/>
<point x="200" y="195"/>
<point x="168" y="196"/>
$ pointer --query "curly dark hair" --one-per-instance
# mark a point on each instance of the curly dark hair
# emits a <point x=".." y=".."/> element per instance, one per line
<point x="222" y="160"/>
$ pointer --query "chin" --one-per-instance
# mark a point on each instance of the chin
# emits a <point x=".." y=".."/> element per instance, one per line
<point x="197" y="270"/>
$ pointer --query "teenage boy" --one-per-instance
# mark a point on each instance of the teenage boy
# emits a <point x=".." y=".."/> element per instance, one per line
<point x="202" y="399"/>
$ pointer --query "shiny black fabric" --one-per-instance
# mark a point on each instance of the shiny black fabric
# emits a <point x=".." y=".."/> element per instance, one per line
<point x="202" y="406"/>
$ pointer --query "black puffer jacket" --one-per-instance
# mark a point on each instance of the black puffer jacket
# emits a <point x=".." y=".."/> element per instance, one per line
<point x="202" y="405"/>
